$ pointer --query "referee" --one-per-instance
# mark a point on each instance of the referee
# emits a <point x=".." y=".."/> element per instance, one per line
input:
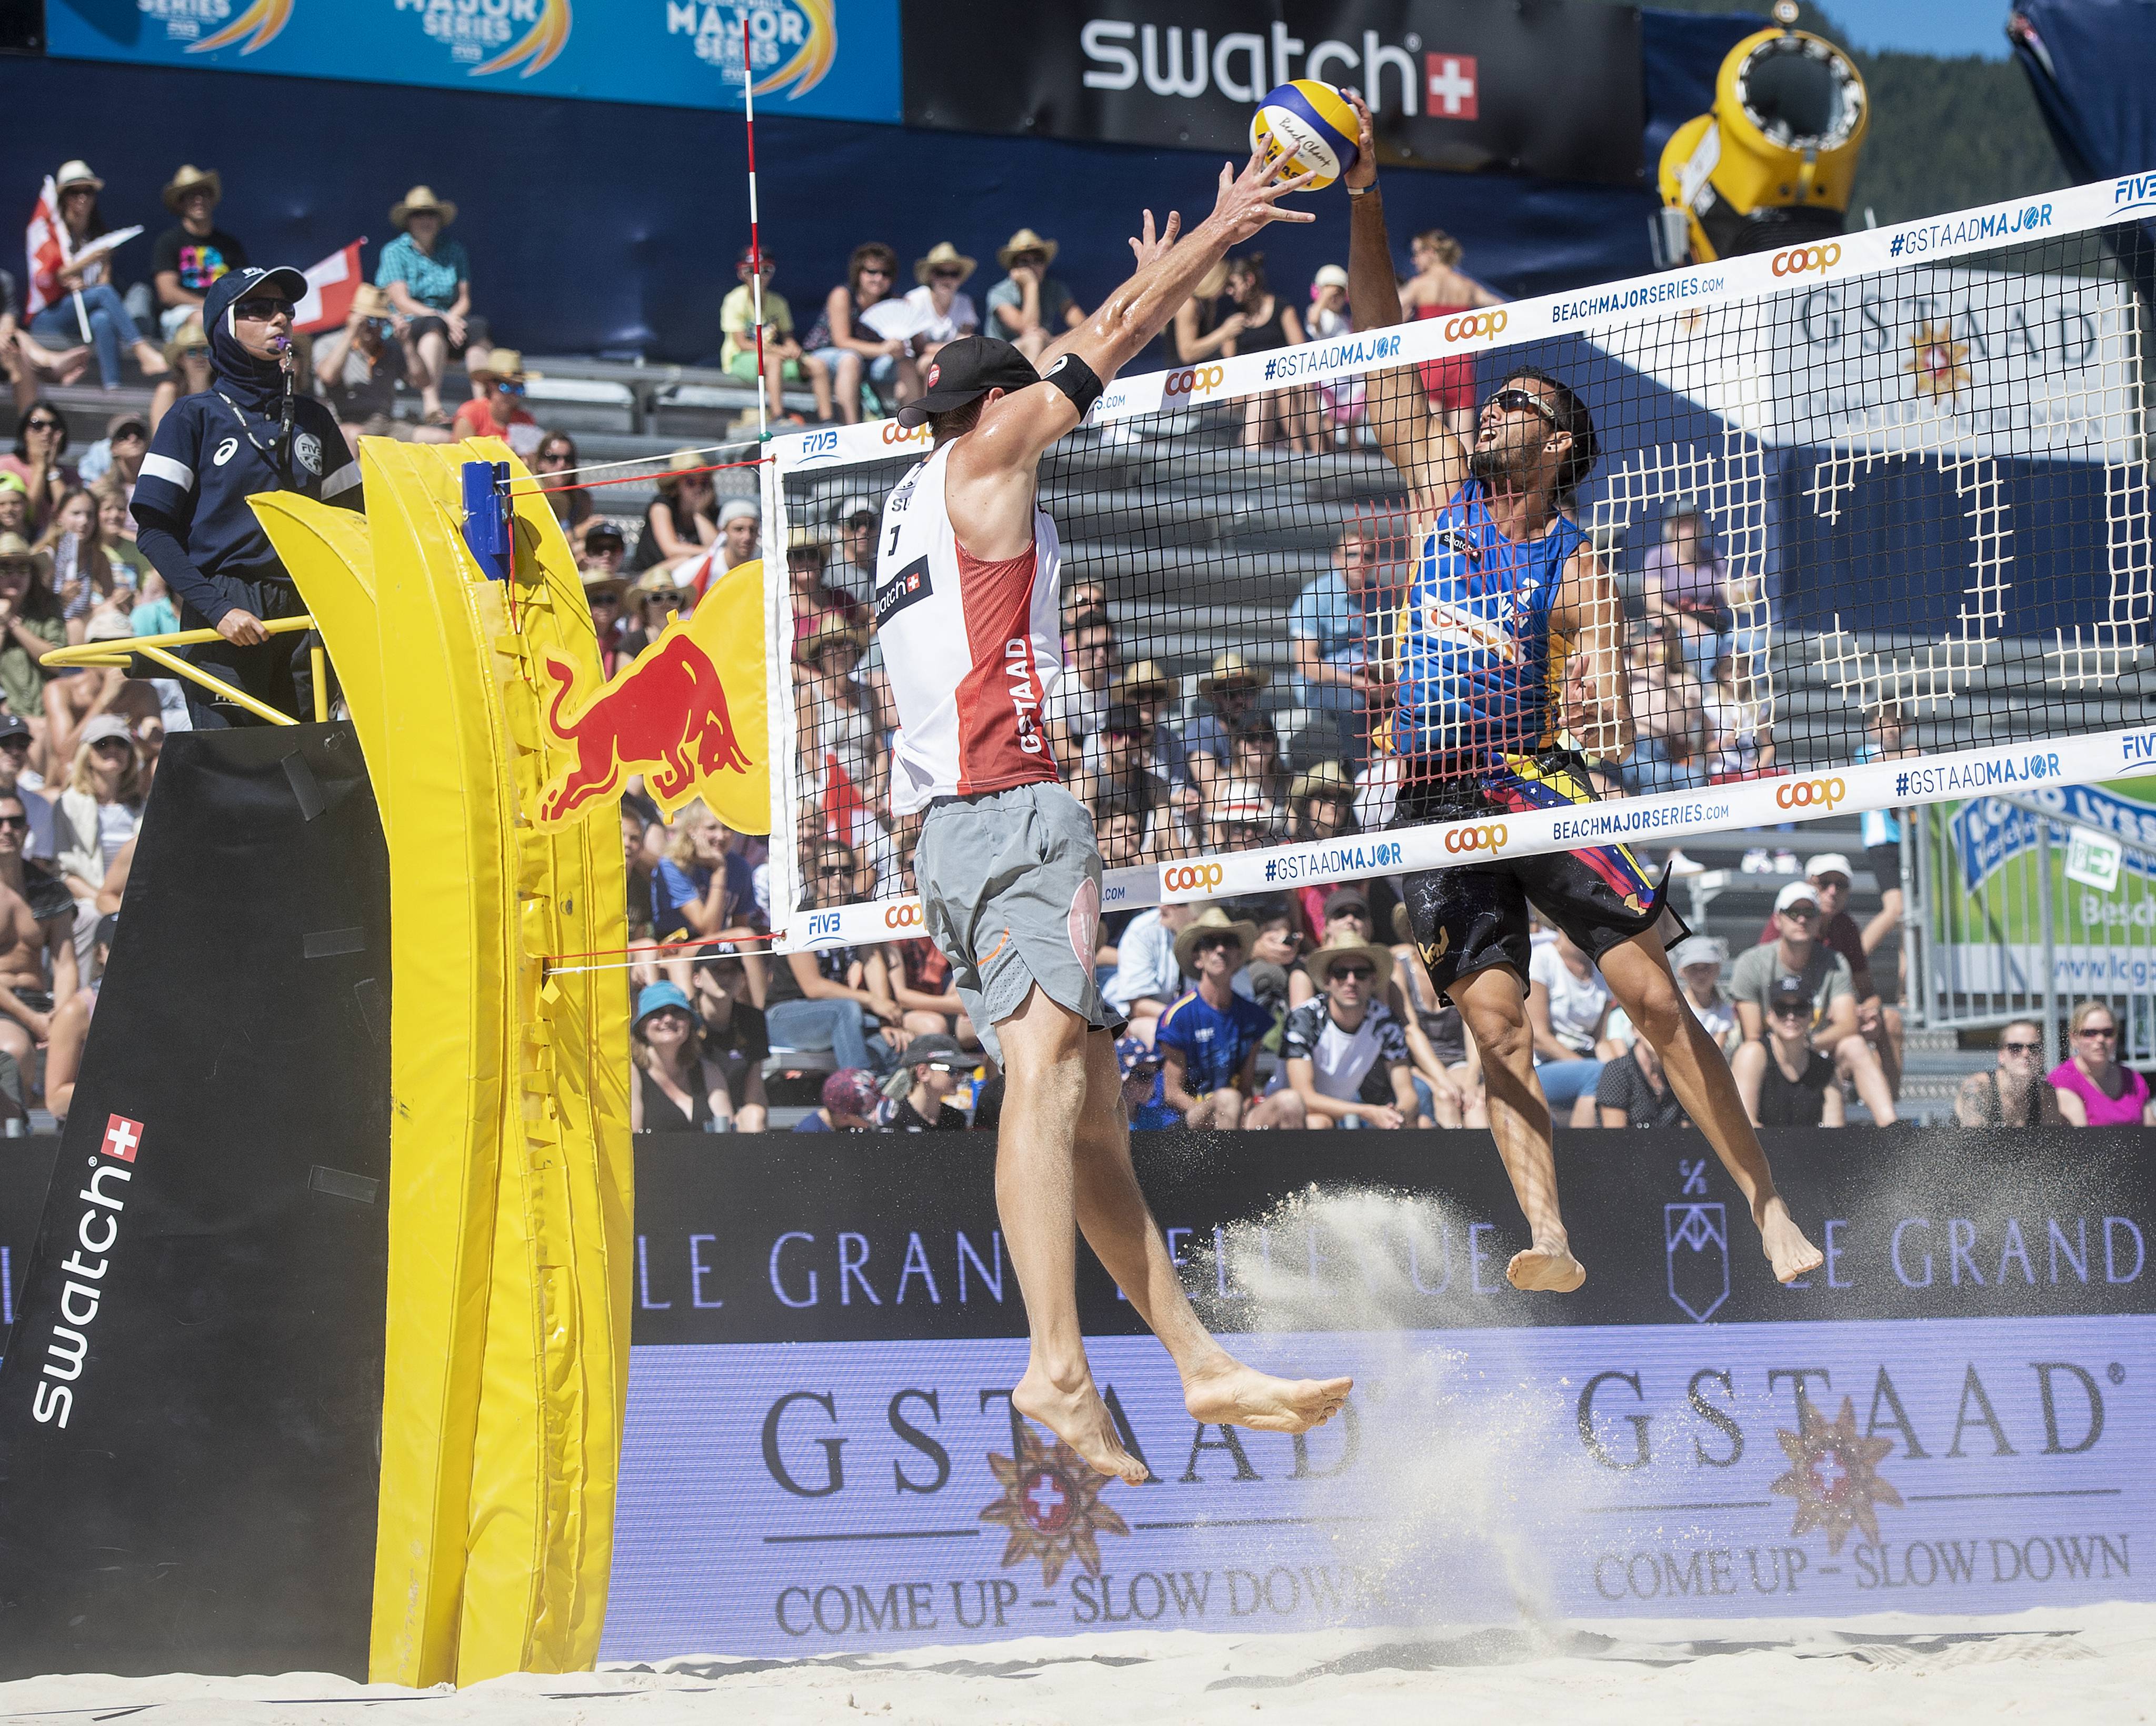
<point x="250" y="432"/>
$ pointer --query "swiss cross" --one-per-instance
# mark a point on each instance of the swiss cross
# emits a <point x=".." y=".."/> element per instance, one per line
<point x="1046" y="1498"/>
<point x="1451" y="84"/>
<point x="121" y="1138"/>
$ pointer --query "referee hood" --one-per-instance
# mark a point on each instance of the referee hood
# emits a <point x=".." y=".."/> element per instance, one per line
<point x="255" y="383"/>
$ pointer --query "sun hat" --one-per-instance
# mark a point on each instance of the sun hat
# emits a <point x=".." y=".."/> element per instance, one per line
<point x="1231" y="668"/>
<point x="1329" y="275"/>
<point x="370" y="301"/>
<point x="188" y="178"/>
<point x="1025" y="240"/>
<point x="1320" y="965"/>
<point x="656" y="998"/>
<point x="1144" y="681"/>
<point x="598" y="581"/>
<point x="418" y="199"/>
<point x="191" y="334"/>
<point x="505" y="363"/>
<point x="1209" y="922"/>
<point x="15" y="548"/>
<point x="1797" y="892"/>
<point x="822" y="630"/>
<point x="76" y="173"/>
<point x="1325" y="776"/>
<point x="847" y="508"/>
<point x="942" y="256"/>
<point x="679" y="466"/>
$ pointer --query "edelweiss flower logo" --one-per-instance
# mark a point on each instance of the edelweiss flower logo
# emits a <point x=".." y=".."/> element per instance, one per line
<point x="1844" y="1499"/>
<point x="1052" y="1506"/>
<point x="1939" y="363"/>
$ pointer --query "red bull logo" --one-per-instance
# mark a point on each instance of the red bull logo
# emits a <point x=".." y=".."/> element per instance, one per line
<point x="689" y="715"/>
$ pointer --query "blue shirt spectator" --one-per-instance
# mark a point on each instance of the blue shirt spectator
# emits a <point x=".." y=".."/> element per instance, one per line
<point x="1214" y="1042"/>
<point x="674" y="885"/>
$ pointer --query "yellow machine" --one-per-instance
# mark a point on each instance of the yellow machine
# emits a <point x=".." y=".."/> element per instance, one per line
<point x="1772" y="164"/>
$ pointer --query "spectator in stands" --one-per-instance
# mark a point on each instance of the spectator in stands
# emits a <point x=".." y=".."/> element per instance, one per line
<point x="920" y="977"/>
<point x="14" y="761"/>
<point x="1631" y="1091"/>
<point x="1336" y="629"/>
<point x="1567" y="1007"/>
<point x="918" y="1097"/>
<point x="678" y="524"/>
<point x="1738" y="745"/>
<point x="1447" y="1066"/>
<point x="1075" y="711"/>
<point x="572" y="505"/>
<point x="736" y="1040"/>
<point x="1784" y="1081"/>
<point x="428" y="277"/>
<point x="1830" y="875"/>
<point x="1683" y="582"/>
<point x="701" y="890"/>
<point x="358" y="370"/>
<point x="38" y="955"/>
<point x="1669" y="717"/>
<point x="30" y="627"/>
<point x="1268" y="322"/>
<point x="96" y="814"/>
<point x="943" y="314"/>
<point x="41" y="439"/>
<point x="856" y="521"/>
<point x="2094" y="1090"/>
<point x="1141" y="1066"/>
<point x="71" y="541"/>
<point x="1346" y="1053"/>
<point x="1029" y="308"/>
<point x="15" y="507"/>
<point x="741" y="534"/>
<point x="784" y="357"/>
<point x="1082" y="596"/>
<point x="1239" y="816"/>
<point x="2017" y="1093"/>
<point x="187" y="355"/>
<point x="25" y="362"/>
<point x="1345" y="916"/>
<point x="1322" y="803"/>
<point x="191" y="256"/>
<point x="1209" y="1039"/>
<point x="1148" y="977"/>
<point x="1230" y="689"/>
<point x="1201" y="331"/>
<point x="498" y="410"/>
<point x="677" y="1089"/>
<point x="1697" y="961"/>
<point x="1341" y="401"/>
<point x="71" y="1023"/>
<point x="603" y="593"/>
<point x="1151" y="690"/>
<point x="1122" y="833"/>
<point x="842" y="724"/>
<point x="814" y="596"/>
<point x="1439" y="288"/>
<point x="636" y="863"/>
<point x="1799" y="952"/>
<point x="117" y="456"/>
<point x="1881" y="829"/>
<point x="834" y="997"/>
<point x="79" y="301"/>
<point x="1116" y="774"/>
<point x="851" y="1099"/>
<point x="843" y="339"/>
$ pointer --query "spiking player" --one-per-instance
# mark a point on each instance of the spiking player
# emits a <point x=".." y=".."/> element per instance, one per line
<point x="966" y="570"/>
<point x="1511" y="637"/>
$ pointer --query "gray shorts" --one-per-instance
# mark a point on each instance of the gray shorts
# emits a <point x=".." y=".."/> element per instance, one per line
<point x="1010" y="892"/>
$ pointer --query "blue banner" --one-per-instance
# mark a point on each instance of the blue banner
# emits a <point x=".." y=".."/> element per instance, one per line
<point x="829" y="58"/>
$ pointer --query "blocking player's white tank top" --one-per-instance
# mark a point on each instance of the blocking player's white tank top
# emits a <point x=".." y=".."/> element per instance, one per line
<point x="972" y="648"/>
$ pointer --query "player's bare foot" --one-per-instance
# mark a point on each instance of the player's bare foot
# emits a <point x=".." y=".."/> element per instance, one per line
<point x="1546" y="1270"/>
<point x="1080" y="1419"/>
<point x="1788" y="1251"/>
<point x="1233" y="1395"/>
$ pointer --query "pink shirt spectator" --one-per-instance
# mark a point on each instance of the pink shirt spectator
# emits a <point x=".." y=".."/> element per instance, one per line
<point x="2123" y="1110"/>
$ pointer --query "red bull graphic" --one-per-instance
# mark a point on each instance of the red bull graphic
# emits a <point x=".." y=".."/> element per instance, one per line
<point x="689" y="715"/>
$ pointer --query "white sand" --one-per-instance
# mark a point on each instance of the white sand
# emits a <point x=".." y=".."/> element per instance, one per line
<point x="2091" y="1665"/>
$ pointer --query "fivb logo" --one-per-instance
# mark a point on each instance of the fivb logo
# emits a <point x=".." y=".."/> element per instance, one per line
<point x="1194" y="381"/>
<point x="1810" y="793"/>
<point x="96" y="1231"/>
<point x="1189" y="878"/>
<point x="1805" y="260"/>
<point x="1473" y="323"/>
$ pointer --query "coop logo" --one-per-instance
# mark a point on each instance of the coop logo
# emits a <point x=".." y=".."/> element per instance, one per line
<point x="1475" y="324"/>
<point x="894" y="432"/>
<point x="1184" y="877"/>
<point x="1810" y="793"/>
<point x="1491" y="838"/>
<point x="1194" y="381"/>
<point x="97" y="1232"/>
<point x="792" y="43"/>
<point x="490" y="36"/>
<point x="905" y="914"/>
<point x="1805" y="260"/>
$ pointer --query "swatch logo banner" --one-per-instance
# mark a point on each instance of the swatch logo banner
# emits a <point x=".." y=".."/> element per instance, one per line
<point x="492" y="36"/>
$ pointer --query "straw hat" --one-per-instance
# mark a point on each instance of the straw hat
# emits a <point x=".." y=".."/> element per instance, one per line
<point x="1025" y="240"/>
<point x="190" y="334"/>
<point x="1231" y="669"/>
<point x="507" y="364"/>
<point x="418" y="199"/>
<point x="370" y="301"/>
<point x="1325" y="776"/>
<point x="1144" y="681"/>
<point x="678" y="464"/>
<point x="598" y="581"/>
<point x="808" y="536"/>
<point x="187" y="180"/>
<point x="13" y="546"/>
<point x="1212" y="921"/>
<point x="940" y="256"/>
<point x="1320" y="964"/>
<point x="822" y="630"/>
<point x="658" y="584"/>
<point x="76" y="173"/>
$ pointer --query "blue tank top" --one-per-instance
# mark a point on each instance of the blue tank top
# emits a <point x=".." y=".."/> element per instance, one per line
<point x="1475" y="672"/>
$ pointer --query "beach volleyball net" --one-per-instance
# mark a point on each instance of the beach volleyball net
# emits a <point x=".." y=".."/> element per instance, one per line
<point x="1877" y="509"/>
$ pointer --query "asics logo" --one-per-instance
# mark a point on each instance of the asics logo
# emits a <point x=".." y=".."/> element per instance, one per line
<point x="1479" y="838"/>
<point x="905" y="915"/>
<point x="1473" y="323"/>
<point x="894" y="432"/>
<point x="1803" y="260"/>
<point x="1193" y="381"/>
<point x="1810" y="793"/>
<point x="1182" y="877"/>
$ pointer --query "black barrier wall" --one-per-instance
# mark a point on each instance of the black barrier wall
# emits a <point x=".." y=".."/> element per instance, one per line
<point x="190" y="1398"/>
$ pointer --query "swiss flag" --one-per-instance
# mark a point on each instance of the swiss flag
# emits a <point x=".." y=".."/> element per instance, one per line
<point x="123" y="1138"/>
<point x="45" y="247"/>
<point x="330" y="285"/>
<point x="1452" y="86"/>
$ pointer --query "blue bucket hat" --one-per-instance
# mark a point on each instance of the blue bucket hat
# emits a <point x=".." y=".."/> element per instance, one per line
<point x="656" y="998"/>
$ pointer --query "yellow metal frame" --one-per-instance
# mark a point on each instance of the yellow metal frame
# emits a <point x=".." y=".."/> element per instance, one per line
<point x="156" y="648"/>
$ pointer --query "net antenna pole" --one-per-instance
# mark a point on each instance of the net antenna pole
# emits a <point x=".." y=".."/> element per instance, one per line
<point x="755" y="241"/>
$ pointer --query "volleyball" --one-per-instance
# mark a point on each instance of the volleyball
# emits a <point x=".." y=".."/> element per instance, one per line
<point x="1310" y="124"/>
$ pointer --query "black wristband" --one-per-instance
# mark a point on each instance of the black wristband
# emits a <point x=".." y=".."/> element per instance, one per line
<point x="1076" y="380"/>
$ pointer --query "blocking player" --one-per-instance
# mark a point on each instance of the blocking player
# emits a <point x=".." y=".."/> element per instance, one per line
<point x="1512" y="639"/>
<point x="1009" y="875"/>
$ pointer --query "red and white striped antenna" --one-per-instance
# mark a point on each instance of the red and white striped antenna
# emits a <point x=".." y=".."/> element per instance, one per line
<point x="755" y="241"/>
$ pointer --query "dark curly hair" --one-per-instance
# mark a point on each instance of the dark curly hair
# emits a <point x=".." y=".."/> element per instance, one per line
<point x="1573" y="418"/>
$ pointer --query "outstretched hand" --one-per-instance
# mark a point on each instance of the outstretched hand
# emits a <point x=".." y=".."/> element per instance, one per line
<point x="1249" y="200"/>
<point x="1365" y="171"/>
<point x="1147" y="249"/>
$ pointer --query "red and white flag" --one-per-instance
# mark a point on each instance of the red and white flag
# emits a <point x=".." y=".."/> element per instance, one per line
<point x="331" y="286"/>
<point x="44" y="249"/>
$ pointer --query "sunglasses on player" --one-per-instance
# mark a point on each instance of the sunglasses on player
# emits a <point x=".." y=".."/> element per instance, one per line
<point x="1518" y="400"/>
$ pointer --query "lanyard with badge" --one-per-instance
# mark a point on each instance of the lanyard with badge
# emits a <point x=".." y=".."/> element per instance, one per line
<point x="278" y="452"/>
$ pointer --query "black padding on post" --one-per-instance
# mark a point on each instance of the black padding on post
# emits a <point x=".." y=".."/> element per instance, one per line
<point x="209" y="1505"/>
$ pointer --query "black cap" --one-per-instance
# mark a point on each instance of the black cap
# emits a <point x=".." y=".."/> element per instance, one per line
<point x="13" y="724"/>
<point x="604" y="529"/>
<point x="1347" y="898"/>
<point x="937" y="1049"/>
<point x="1789" y="991"/>
<point x="964" y="369"/>
<point x="108" y="930"/>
